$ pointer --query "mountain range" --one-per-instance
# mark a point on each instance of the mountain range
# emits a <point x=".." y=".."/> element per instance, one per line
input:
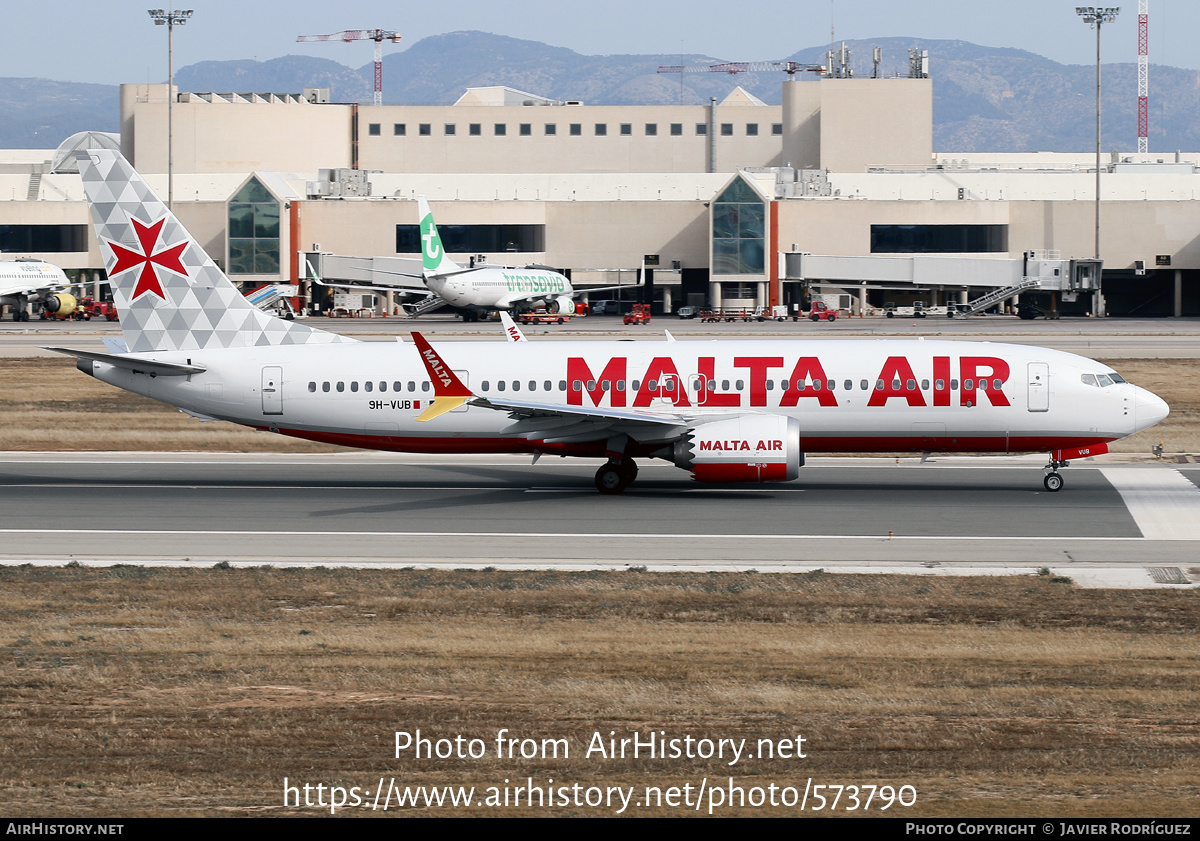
<point x="985" y="99"/>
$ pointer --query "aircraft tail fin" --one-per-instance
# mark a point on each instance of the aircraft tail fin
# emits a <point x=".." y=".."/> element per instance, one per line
<point x="170" y="294"/>
<point x="433" y="255"/>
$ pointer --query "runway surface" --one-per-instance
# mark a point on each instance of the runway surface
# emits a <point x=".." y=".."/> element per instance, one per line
<point x="1115" y="523"/>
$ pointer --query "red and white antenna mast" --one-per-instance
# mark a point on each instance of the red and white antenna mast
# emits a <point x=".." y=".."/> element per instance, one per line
<point x="376" y="35"/>
<point x="1143" y="76"/>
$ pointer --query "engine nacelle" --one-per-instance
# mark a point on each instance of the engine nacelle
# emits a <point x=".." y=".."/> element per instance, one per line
<point x="60" y="304"/>
<point x="748" y="448"/>
<point x="564" y="304"/>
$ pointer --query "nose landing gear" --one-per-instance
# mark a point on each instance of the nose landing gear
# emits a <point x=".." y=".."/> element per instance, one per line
<point x="1053" y="480"/>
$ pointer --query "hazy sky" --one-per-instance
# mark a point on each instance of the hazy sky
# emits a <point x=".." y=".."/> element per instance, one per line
<point x="113" y="42"/>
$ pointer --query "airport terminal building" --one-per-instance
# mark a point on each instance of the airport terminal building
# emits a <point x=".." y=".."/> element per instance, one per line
<point x="732" y="204"/>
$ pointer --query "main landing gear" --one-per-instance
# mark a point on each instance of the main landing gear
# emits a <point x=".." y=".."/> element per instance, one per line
<point x="1053" y="479"/>
<point x="616" y="475"/>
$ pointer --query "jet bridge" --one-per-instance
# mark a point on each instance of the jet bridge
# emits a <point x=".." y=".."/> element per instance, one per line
<point x="978" y="282"/>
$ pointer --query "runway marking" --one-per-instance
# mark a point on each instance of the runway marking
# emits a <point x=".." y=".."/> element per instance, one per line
<point x="1164" y="503"/>
<point x="575" y="535"/>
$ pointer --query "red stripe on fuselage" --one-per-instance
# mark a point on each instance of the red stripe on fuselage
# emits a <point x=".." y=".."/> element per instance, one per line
<point x="596" y="449"/>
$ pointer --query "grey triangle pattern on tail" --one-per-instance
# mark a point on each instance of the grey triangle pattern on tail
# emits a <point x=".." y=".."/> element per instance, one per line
<point x="199" y="308"/>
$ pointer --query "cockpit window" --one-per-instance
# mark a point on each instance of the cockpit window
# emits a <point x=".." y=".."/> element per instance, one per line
<point x="1089" y="379"/>
<point x="1117" y="378"/>
<point x="1104" y="379"/>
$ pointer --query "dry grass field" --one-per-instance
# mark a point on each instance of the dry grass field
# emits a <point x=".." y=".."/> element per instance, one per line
<point x="134" y="691"/>
<point x="51" y="406"/>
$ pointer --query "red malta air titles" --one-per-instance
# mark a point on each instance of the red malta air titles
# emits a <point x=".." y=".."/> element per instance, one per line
<point x="726" y="411"/>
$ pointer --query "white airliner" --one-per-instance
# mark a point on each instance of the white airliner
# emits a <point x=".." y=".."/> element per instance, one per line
<point x="727" y="411"/>
<point x="22" y="281"/>
<point x="475" y="290"/>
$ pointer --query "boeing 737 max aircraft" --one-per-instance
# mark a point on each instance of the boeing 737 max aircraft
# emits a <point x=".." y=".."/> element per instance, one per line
<point x="727" y="411"/>
<point x="474" y="290"/>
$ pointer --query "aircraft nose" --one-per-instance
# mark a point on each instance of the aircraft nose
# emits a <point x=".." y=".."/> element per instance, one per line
<point x="1149" y="408"/>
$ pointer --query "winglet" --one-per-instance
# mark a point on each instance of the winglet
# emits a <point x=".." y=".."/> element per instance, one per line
<point x="448" y="390"/>
<point x="511" y="331"/>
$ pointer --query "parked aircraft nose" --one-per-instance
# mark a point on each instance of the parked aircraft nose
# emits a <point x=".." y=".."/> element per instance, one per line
<point x="1148" y="409"/>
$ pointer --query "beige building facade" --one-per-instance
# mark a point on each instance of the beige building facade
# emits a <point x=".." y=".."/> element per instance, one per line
<point x="717" y="193"/>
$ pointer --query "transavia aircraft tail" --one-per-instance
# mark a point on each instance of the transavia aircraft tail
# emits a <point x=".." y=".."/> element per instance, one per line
<point x="728" y="411"/>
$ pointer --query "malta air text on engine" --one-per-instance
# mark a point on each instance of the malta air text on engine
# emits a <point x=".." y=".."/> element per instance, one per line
<point x="736" y="446"/>
<point x="774" y="381"/>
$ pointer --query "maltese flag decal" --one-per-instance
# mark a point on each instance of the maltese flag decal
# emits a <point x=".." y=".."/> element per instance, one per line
<point x="168" y="258"/>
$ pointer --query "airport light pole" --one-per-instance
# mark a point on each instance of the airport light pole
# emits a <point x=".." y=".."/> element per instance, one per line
<point x="1096" y="16"/>
<point x="161" y="17"/>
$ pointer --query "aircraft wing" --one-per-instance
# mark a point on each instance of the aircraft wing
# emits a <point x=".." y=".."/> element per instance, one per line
<point x="555" y="423"/>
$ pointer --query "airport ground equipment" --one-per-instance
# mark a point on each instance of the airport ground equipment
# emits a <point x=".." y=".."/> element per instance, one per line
<point x="639" y="315"/>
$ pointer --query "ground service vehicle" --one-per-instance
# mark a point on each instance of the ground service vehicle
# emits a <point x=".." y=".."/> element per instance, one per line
<point x="822" y="312"/>
<point x="640" y="314"/>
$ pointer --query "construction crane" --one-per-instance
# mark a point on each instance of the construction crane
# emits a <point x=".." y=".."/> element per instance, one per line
<point x="735" y="67"/>
<point x="376" y="35"/>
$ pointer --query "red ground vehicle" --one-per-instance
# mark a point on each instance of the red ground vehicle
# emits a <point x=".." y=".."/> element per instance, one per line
<point x="543" y="317"/>
<point x="821" y="312"/>
<point x="98" y="309"/>
<point x="639" y="315"/>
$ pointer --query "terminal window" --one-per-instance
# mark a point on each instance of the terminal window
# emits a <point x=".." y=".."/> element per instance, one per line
<point x="651" y="129"/>
<point x="501" y="129"/>
<point x="526" y="129"/>
<point x="399" y="129"/>
<point x="551" y="129"/>
<point x="676" y="129"/>
<point x="476" y="239"/>
<point x="626" y="129"/>
<point x="727" y="129"/>
<point x="373" y="129"/>
<point x="425" y="129"/>
<point x="52" y="238"/>
<point x="738" y="231"/>
<point x="752" y="129"/>
<point x="938" y="239"/>
<point x="253" y="231"/>
<point x="601" y="129"/>
<point x="475" y="129"/>
<point x="701" y="128"/>
<point x="776" y="129"/>
<point x="450" y="128"/>
<point x="576" y="129"/>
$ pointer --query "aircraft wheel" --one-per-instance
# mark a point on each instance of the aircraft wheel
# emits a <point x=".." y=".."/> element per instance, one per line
<point x="629" y="471"/>
<point x="610" y="479"/>
<point x="1053" y="482"/>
